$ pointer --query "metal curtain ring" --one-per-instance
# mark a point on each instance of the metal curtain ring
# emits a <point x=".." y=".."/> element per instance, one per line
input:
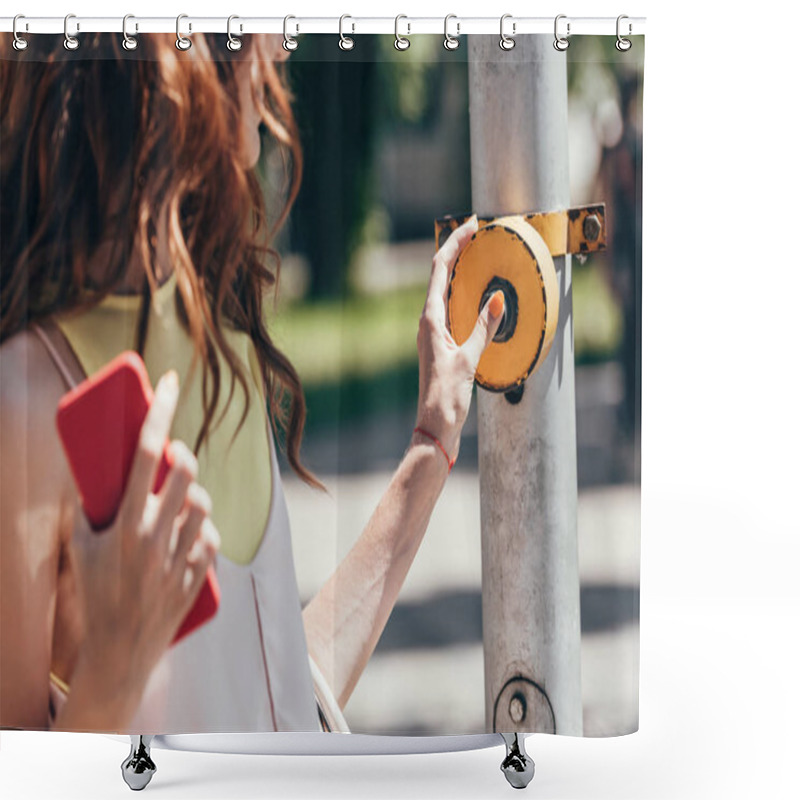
<point x="70" y="42"/>
<point x="128" y="42"/>
<point x="450" y="42"/>
<point x="623" y="44"/>
<point x="507" y="42"/>
<point x="345" y="42"/>
<point x="19" y="43"/>
<point x="233" y="43"/>
<point x="182" y="43"/>
<point x="289" y="43"/>
<point x="401" y="42"/>
<point x="561" y="43"/>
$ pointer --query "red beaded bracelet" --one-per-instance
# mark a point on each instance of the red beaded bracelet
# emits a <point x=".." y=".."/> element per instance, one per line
<point x="450" y="461"/>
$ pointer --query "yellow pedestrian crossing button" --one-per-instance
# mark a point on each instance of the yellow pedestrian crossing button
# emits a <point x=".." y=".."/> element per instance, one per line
<point x="515" y="253"/>
<point x="508" y="254"/>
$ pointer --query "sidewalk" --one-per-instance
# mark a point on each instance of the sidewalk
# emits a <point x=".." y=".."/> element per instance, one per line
<point x="426" y="674"/>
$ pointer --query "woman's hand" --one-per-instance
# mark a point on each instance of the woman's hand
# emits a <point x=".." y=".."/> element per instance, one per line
<point x="447" y="371"/>
<point x="139" y="577"/>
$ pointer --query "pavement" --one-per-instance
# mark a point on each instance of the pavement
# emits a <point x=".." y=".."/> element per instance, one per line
<point x="426" y="675"/>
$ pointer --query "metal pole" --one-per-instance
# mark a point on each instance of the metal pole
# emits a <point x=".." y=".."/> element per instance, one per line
<point x="526" y="445"/>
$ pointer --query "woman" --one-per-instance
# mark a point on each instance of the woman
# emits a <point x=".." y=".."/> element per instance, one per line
<point x="145" y="228"/>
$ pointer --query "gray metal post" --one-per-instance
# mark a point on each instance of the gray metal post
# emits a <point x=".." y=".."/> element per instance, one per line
<point x="527" y="449"/>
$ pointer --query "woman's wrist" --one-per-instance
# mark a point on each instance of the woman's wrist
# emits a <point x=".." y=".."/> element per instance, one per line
<point x="96" y="703"/>
<point x="443" y="438"/>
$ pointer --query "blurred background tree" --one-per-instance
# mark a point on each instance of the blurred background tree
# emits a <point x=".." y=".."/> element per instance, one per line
<point x="336" y="113"/>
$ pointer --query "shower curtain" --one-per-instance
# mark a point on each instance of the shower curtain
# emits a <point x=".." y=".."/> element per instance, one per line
<point x="397" y="289"/>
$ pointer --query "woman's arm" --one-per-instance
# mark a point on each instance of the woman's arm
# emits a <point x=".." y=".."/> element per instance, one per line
<point x="34" y="521"/>
<point x="30" y="518"/>
<point x="344" y="621"/>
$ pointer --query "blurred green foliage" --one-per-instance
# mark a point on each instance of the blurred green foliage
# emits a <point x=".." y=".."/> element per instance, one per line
<point x="410" y="87"/>
<point x="359" y="335"/>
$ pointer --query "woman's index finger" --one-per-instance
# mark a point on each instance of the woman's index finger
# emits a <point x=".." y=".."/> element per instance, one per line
<point x="153" y="435"/>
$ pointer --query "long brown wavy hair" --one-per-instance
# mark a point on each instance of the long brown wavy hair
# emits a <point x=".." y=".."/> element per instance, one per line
<point x="164" y="125"/>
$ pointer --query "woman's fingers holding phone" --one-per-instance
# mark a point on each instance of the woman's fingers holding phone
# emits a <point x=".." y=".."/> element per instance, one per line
<point x="193" y="569"/>
<point x="141" y="578"/>
<point x="198" y="509"/>
<point x="152" y="437"/>
<point x="173" y="494"/>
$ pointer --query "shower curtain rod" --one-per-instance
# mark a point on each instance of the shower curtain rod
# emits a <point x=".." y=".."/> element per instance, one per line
<point x="347" y="24"/>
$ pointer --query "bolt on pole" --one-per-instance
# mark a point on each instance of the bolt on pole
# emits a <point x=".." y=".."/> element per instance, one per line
<point x="527" y="451"/>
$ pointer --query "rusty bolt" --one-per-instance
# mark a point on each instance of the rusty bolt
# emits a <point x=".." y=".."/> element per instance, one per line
<point x="592" y="228"/>
<point x="517" y="708"/>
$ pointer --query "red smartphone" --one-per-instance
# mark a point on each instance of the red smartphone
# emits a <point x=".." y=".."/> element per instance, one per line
<point x="98" y="423"/>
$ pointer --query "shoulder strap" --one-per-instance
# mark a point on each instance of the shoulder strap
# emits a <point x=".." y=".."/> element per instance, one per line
<point x="60" y="351"/>
<point x="330" y="715"/>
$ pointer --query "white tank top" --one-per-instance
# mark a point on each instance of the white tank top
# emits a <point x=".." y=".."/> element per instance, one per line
<point x="247" y="669"/>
